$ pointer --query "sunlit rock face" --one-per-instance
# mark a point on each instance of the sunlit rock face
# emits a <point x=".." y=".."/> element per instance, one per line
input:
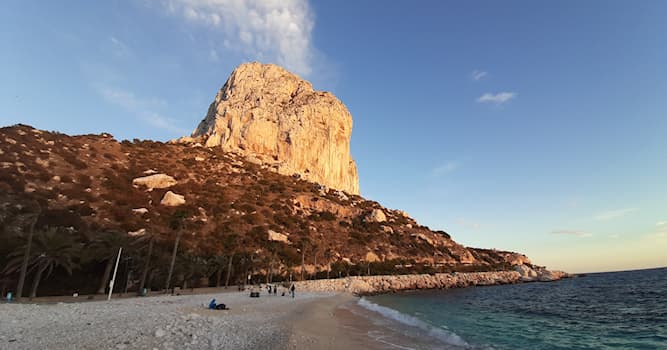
<point x="268" y="114"/>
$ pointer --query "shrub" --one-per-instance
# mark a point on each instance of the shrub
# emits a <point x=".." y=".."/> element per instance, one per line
<point x="84" y="180"/>
<point x="444" y="234"/>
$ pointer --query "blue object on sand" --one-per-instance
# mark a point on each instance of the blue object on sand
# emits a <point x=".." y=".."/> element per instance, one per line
<point x="10" y="296"/>
<point x="211" y="305"/>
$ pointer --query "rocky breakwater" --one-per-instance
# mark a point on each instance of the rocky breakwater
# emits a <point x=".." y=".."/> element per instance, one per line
<point x="274" y="118"/>
<point x="362" y="285"/>
<point x="531" y="273"/>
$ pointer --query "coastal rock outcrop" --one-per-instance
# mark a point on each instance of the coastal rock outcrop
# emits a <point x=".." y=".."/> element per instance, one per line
<point x="537" y="273"/>
<point x="393" y="283"/>
<point x="273" y="117"/>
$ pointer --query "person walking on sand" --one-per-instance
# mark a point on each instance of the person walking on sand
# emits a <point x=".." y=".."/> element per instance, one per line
<point x="292" y="291"/>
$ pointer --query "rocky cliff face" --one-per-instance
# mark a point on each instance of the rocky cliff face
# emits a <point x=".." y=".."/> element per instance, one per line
<point x="275" y="118"/>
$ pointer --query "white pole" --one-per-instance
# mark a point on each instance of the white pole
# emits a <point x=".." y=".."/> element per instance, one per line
<point x="114" y="274"/>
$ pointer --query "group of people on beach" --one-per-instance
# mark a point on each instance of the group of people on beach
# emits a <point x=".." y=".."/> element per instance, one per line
<point x="270" y="289"/>
<point x="274" y="290"/>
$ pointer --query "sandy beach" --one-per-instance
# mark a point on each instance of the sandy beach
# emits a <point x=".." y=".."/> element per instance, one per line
<point x="309" y="321"/>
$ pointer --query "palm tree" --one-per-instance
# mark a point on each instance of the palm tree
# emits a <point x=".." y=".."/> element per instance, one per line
<point x="27" y="251"/>
<point x="177" y="223"/>
<point x="52" y="248"/>
<point x="305" y="242"/>
<point x="231" y="244"/>
<point x="150" y="238"/>
<point x="193" y="266"/>
<point x="104" y="248"/>
<point x="328" y="255"/>
<point x="218" y="263"/>
<point x="315" y="248"/>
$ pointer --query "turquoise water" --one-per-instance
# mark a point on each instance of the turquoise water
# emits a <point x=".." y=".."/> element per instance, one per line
<point x="619" y="310"/>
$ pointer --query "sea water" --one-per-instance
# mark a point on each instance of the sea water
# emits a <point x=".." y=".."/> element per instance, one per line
<point x="618" y="310"/>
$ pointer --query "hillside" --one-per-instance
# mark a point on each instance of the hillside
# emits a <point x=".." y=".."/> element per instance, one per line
<point x="269" y="223"/>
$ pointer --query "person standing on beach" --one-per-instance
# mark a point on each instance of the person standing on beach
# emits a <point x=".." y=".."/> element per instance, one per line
<point x="292" y="290"/>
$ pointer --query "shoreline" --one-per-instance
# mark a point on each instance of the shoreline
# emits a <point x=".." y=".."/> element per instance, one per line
<point x="373" y="285"/>
<point x="355" y="285"/>
<point x="325" y="314"/>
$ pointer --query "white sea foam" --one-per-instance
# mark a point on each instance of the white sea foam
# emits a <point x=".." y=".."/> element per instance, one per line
<point x="437" y="333"/>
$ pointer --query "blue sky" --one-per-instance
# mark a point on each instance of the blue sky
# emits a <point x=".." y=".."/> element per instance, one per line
<point x="533" y="127"/>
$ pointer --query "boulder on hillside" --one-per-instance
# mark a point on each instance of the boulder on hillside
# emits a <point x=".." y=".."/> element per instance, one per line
<point x="139" y="232"/>
<point x="140" y="211"/>
<point x="341" y="195"/>
<point x="278" y="237"/>
<point x="423" y="238"/>
<point x="172" y="199"/>
<point x="371" y="257"/>
<point x="377" y="215"/>
<point x="155" y="181"/>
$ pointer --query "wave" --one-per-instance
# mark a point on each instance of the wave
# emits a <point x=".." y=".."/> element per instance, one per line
<point x="437" y="333"/>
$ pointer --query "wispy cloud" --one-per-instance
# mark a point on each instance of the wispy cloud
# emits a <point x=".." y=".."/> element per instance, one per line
<point x="661" y="228"/>
<point x="445" y="169"/>
<point x="660" y="234"/>
<point x="128" y="100"/>
<point x="499" y="98"/>
<point x="119" y="48"/>
<point x="162" y="122"/>
<point x="143" y="108"/>
<point x="278" y="31"/>
<point x="577" y="233"/>
<point x="478" y="75"/>
<point x="213" y="56"/>
<point x="613" y="214"/>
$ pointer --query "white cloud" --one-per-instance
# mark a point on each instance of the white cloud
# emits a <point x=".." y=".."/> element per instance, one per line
<point x="445" y="169"/>
<point x="578" y="233"/>
<point x="478" y="75"/>
<point x="661" y="223"/>
<point x="498" y="98"/>
<point x="613" y="214"/>
<point x="278" y="31"/>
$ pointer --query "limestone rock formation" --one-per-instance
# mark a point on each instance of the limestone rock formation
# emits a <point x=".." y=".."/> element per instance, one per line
<point x="377" y="215"/>
<point x="278" y="237"/>
<point x="140" y="211"/>
<point x="155" y="181"/>
<point x="268" y="114"/>
<point x="537" y="273"/>
<point x="172" y="199"/>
